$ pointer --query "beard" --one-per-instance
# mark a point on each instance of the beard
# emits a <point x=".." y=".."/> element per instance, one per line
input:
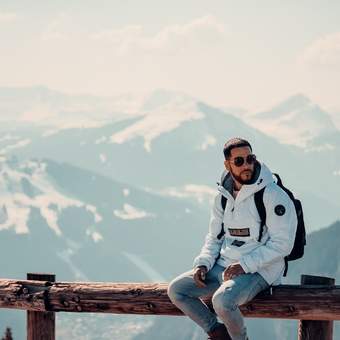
<point x="242" y="181"/>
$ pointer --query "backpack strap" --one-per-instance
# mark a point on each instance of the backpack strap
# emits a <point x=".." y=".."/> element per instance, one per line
<point x="258" y="197"/>
<point x="286" y="266"/>
<point x="279" y="180"/>
<point x="224" y="204"/>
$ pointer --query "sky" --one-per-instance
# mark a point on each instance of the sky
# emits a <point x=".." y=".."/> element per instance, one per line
<point x="228" y="53"/>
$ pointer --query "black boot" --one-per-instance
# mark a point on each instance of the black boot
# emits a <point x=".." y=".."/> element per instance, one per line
<point x="219" y="333"/>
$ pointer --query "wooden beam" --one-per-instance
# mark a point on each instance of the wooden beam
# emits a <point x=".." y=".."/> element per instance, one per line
<point x="301" y="302"/>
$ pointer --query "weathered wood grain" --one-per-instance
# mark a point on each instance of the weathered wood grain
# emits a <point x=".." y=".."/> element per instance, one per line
<point x="302" y="302"/>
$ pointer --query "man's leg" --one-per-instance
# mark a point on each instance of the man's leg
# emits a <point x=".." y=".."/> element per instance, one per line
<point x="233" y="293"/>
<point x="184" y="293"/>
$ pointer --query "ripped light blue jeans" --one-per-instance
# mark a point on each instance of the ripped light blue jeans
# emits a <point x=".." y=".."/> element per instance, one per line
<point x="226" y="297"/>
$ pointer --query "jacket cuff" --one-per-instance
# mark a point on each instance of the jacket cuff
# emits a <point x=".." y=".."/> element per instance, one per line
<point x="201" y="262"/>
<point x="246" y="267"/>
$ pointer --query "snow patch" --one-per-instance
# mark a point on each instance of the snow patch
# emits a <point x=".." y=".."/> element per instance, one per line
<point x="95" y="235"/>
<point x="159" y="121"/>
<point x="18" y="145"/>
<point x="16" y="206"/>
<point x="91" y="208"/>
<point x="208" y="141"/>
<point x="103" y="158"/>
<point x="201" y="193"/>
<point x="130" y="213"/>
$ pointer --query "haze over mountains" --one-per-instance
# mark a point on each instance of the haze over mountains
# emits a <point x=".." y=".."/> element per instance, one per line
<point x="120" y="188"/>
<point x="175" y="141"/>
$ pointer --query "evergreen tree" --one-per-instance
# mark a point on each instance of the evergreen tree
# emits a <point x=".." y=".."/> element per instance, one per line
<point x="8" y="334"/>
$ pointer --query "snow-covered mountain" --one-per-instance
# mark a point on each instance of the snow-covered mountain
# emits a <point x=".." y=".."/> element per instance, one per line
<point x="27" y="186"/>
<point x="83" y="226"/>
<point x="295" y="121"/>
<point x="174" y="146"/>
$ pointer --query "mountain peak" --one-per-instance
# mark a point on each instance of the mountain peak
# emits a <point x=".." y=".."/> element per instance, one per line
<point x="162" y="97"/>
<point x="296" y="120"/>
<point x="295" y="102"/>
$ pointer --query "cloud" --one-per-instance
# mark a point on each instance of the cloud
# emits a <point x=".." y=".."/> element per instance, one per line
<point x="200" y="31"/>
<point x="6" y="17"/>
<point x="323" y="52"/>
<point x="132" y="40"/>
<point x="60" y="28"/>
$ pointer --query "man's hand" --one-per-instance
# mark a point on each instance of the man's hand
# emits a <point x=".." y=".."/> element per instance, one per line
<point x="199" y="276"/>
<point x="232" y="271"/>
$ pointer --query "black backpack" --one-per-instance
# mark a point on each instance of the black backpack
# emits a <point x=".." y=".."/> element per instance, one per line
<point x="300" y="235"/>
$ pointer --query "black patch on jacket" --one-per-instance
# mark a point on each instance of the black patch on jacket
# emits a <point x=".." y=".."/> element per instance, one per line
<point x="280" y="210"/>
<point x="237" y="243"/>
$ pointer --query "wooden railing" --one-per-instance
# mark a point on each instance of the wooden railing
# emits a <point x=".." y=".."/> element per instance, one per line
<point x="315" y="302"/>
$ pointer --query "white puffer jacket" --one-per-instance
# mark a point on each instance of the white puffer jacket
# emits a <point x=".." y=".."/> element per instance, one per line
<point x="242" y="223"/>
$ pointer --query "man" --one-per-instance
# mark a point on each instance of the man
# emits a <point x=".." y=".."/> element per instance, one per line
<point x="234" y="267"/>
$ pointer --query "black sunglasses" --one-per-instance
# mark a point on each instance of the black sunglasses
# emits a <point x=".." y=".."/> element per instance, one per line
<point x="239" y="161"/>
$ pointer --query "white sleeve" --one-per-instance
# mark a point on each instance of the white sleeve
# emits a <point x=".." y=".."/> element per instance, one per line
<point x="212" y="244"/>
<point x="281" y="221"/>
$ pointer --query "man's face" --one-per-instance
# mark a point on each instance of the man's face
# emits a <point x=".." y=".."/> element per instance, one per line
<point x="244" y="173"/>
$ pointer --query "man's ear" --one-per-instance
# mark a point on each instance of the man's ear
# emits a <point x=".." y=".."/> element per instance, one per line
<point x="227" y="165"/>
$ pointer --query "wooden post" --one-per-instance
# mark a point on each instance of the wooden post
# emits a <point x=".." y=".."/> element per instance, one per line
<point x="315" y="329"/>
<point x="40" y="325"/>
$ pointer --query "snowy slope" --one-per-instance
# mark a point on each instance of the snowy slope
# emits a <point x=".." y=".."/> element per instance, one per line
<point x="295" y="121"/>
<point x="83" y="226"/>
<point x="162" y="114"/>
<point x="27" y="186"/>
<point x="80" y="210"/>
<point x="174" y="146"/>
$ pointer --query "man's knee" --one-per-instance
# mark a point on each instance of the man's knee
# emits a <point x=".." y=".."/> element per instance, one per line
<point x="224" y="301"/>
<point x="177" y="288"/>
<point x="172" y="289"/>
